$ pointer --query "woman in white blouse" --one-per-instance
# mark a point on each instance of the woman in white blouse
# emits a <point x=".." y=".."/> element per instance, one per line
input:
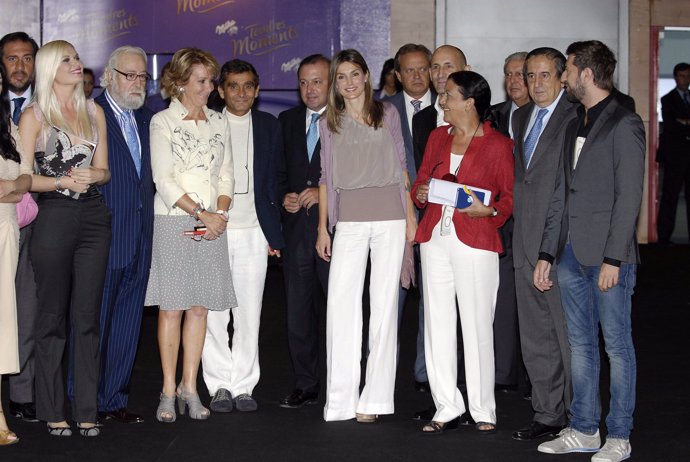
<point x="192" y="168"/>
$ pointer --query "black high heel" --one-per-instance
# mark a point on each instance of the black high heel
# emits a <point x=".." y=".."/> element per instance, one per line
<point x="440" y="427"/>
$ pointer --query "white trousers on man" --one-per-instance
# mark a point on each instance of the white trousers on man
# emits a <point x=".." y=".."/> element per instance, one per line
<point x="237" y="369"/>
<point x="349" y="253"/>
<point x="452" y="269"/>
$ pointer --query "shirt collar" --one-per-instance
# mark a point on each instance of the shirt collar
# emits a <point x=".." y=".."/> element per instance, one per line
<point x="113" y="105"/>
<point x="425" y="99"/>
<point x="27" y="94"/>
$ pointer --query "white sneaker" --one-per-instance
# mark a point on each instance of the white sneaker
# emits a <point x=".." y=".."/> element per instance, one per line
<point x="614" y="450"/>
<point x="570" y="440"/>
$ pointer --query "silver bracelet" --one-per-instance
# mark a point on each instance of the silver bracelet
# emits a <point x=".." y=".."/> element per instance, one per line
<point x="58" y="184"/>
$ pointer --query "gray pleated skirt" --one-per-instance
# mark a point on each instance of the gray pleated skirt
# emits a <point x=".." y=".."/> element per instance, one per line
<point x="185" y="272"/>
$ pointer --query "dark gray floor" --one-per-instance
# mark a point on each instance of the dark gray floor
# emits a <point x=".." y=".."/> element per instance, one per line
<point x="661" y="322"/>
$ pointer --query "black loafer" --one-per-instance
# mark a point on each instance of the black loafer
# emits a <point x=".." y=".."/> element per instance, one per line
<point x="121" y="415"/>
<point x="422" y="387"/>
<point x="298" y="398"/>
<point x="425" y="414"/>
<point x="536" y="430"/>
<point x="24" y="411"/>
<point x="466" y="419"/>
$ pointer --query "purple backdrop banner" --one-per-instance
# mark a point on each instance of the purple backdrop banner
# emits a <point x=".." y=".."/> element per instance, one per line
<point x="273" y="35"/>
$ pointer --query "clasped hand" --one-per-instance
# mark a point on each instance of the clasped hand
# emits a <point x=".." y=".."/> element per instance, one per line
<point x="215" y="225"/>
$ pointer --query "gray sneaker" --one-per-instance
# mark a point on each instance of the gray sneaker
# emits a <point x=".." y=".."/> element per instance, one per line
<point x="614" y="450"/>
<point x="222" y="401"/>
<point x="571" y="440"/>
<point x="245" y="403"/>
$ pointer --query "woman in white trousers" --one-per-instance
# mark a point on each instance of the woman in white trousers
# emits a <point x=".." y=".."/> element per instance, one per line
<point x="459" y="251"/>
<point x="363" y="190"/>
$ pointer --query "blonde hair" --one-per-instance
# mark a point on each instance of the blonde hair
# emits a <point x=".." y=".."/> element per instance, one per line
<point x="48" y="60"/>
<point x="181" y="69"/>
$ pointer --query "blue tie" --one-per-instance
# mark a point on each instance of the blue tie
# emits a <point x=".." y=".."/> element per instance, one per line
<point x="18" y="102"/>
<point x="417" y="104"/>
<point x="132" y="141"/>
<point x="312" y="135"/>
<point x="533" y="136"/>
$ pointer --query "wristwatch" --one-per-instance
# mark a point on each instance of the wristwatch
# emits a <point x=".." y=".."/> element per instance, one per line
<point x="223" y="212"/>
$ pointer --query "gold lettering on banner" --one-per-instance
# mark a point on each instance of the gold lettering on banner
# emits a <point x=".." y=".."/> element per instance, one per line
<point x="262" y="39"/>
<point x="107" y="26"/>
<point x="200" y="6"/>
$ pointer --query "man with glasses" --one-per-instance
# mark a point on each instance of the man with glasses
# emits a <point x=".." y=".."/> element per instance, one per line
<point x="129" y="197"/>
<point x="253" y="234"/>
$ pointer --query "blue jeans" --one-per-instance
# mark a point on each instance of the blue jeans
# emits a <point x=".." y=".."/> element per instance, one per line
<point x="586" y="307"/>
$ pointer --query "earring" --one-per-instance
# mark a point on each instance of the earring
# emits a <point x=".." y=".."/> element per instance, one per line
<point x="181" y="89"/>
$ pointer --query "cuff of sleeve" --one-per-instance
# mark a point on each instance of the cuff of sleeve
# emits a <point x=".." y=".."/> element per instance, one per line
<point x="612" y="262"/>
<point x="546" y="257"/>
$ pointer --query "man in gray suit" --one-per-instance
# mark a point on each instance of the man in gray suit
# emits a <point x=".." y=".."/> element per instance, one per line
<point x="590" y="231"/>
<point x="412" y="62"/>
<point x="539" y="127"/>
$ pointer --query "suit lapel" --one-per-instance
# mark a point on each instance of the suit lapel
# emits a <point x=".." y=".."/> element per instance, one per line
<point x="116" y="137"/>
<point x="524" y="114"/>
<point x="548" y="136"/>
<point x="602" y="120"/>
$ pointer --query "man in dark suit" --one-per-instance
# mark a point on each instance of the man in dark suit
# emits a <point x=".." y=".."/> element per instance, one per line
<point x="445" y="60"/>
<point x="306" y="275"/>
<point x="17" y="52"/>
<point x="129" y="197"/>
<point x="412" y="63"/>
<point x="253" y="234"/>
<point x="539" y="127"/>
<point x="675" y="152"/>
<point x="516" y="89"/>
<point x="506" y="345"/>
<point x="590" y="231"/>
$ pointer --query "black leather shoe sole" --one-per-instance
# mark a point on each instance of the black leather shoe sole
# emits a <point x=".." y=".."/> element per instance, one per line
<point x="535" y="431"/>
<point x="297" y="404"/>
<point x="22" y="414"/>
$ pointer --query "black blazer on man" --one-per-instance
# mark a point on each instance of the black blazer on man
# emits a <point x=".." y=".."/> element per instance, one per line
<point x="268" y="151"/>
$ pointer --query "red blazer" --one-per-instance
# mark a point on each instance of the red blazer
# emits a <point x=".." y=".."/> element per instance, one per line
<point x="487" y="164"/>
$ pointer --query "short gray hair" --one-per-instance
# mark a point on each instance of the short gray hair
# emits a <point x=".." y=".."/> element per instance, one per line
<point x="517" y="56"/>
<point x="115" y="55"/>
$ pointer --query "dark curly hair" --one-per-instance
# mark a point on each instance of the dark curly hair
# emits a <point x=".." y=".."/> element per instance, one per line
<point x="8" y="149"/>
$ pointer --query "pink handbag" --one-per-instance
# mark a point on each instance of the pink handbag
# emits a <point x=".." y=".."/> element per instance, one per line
<point x="27" y="209"/>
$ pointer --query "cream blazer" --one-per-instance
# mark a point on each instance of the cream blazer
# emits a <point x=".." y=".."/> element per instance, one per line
<point x="190" y="157"/>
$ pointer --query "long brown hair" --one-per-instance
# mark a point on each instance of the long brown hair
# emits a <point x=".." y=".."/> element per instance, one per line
<point x="372" y="112"/>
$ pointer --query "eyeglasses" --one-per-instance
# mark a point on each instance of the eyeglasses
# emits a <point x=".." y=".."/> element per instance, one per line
<point x="131" y="76"/>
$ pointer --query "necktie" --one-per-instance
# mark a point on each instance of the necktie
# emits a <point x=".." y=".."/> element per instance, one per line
<point x="132" y="141"/>
<point x="686" y="98"/>
<point x="18" y="102"/>
<point x="533" y="136"/>
<point x="417" y="104"/>
<point x="312" y="135"/>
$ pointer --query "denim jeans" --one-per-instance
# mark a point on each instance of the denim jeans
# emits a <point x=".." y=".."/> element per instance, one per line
<point x="586" y="307"/>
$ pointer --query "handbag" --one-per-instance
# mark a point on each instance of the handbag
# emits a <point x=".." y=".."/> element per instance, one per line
<point x="27" y="209"/>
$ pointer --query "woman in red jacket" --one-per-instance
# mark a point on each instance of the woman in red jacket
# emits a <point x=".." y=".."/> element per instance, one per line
<point x="459" y="251"/>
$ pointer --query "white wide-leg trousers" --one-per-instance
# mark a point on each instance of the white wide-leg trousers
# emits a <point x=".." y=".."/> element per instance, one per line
<point x="237" y="369"/>
<point x="350" y="250"/>
<point x="452" y="269"/>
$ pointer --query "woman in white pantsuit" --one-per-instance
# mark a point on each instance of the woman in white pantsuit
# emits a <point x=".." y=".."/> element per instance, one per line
<point x="459" y="251"/>
<point x="363" y="190"/>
